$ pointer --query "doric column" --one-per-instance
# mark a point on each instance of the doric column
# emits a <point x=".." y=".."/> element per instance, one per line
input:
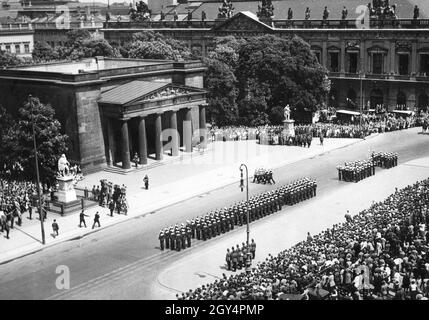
<point x="126" y="163"/>
<point x="142" y="141"/>
<point x="174" y="134"/>
<point x="158" y="142"/>
<point x="111" y="142"/>
<point x="187" y="131"/>
<point x="203" y="128"/>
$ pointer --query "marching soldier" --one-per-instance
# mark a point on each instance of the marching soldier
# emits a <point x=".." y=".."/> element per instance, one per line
<point x="183" y="239"/>
<point x="178" y="241"/>
<point x="167" y="238"/>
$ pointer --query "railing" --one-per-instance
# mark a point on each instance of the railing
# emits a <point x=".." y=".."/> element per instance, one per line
<point x="15" y="26"/>
<point x="278" y="24"/>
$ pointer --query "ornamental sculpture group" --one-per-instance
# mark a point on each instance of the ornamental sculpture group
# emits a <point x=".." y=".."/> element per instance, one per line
<point x="226" y="11"/>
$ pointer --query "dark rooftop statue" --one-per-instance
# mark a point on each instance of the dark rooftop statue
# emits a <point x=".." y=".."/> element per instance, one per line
<point x="266" y="9"/>
<point x="226" y="10"/>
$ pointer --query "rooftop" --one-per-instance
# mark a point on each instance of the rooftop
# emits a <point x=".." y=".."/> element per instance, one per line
<point x="90" y="65"/>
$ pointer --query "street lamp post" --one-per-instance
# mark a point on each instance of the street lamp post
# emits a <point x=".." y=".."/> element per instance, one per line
<point x="248" y="261"/>
<point x="37" y="172"/>
<point x="361" y="99"/>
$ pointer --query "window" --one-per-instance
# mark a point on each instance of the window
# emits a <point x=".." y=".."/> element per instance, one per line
<point x="26" y="47"/>
<point x="8" y="48"/>
<point x="376" y="98"/>
<point x="17" y="48"/>
<point x="333" y="63"/>
<point x="353" y="62"/>
<point x="403" y="64"/>
<point x="377" y="63"/>
<point x="424" y="64"/>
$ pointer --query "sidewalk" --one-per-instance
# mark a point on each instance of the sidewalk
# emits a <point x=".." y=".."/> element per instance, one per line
<point x="169" y="184"/>
<point x="286" y="228"/>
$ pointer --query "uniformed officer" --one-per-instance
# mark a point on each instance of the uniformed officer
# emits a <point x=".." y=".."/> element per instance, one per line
<point x="167" y="238"/>
<point x="253" y="248"/>
<point x="228" y="259"/>
<point x="189" y="237"/>
<point x="234" y="256"/>
<point x="183" y="239"/>
<point x="161" y="239"/>
<point x="178" y="241"/>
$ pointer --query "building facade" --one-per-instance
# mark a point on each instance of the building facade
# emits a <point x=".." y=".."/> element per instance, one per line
<point x="114" y="108"/>
<point x="17" y="39"/>
<point x="384" y="62"/>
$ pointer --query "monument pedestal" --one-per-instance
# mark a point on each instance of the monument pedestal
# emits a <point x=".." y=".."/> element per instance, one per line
<point x="289" y="128"/>
<point x="66" y="201"/>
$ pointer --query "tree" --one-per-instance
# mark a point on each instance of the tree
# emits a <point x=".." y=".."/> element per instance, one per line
<point x="51" y="143"/>
<point x="227" y="50"/>
<point x="152" y="45"/>
<point x="220" y="82"/>
<point x="282" y="71"/>
<point x="7" y="124"/>
<point x="44" y="52"/>
<point x="82" y="44"/>
<point x="8" y="59"/>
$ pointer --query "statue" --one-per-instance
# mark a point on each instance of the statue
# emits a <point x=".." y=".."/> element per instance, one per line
<point x="226" y="10"/>
<point x="63" y="166"/>
<point x="266" y="10"/>
<point x="287" y="112"/>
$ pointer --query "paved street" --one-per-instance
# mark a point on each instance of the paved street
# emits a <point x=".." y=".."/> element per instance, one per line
<point x="128" y="251"/>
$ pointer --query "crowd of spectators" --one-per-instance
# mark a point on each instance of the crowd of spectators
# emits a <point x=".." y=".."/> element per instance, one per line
<point x="303" y="133"/>
<point x="380" y="253"/>
<point x="17" y="198"/>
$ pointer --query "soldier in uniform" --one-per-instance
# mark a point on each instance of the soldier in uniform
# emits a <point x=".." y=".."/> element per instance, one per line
<point x="188" y="237"/>
<point x="173" y="239"/>
<point x="234" y="256"/>
<point x="253" y="248"/>
<point x="161" y="240"/>
<point x="228" y="259"/>
<point x="178" y="241"/>
<point x="183" y="239"/>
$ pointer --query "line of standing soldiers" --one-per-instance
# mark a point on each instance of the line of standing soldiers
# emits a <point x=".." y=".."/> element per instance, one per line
<point x="356" y="171"/>
<point x="221" y="221"/>
<point x="385" y="159"/>
<point x="236" y="258"/>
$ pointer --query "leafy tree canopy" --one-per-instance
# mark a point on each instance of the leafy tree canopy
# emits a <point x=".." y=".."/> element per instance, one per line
<point x="50" y="141"/>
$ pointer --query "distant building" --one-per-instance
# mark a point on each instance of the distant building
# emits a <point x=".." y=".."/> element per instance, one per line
<point x="392" y="54"/>
<point x="17" y="39"/>
<point x="112" y="108"/>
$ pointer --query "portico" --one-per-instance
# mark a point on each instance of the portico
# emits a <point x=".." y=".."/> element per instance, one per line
<point x="151" y="118"/>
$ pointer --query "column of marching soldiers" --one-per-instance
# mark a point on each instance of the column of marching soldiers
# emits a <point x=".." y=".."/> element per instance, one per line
<point x="361" y="169"/>
<point x="219" y="221"/>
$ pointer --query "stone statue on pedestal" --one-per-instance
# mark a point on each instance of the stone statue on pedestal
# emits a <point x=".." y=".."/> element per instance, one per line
<point x="287" y="112"/>
<point x="63" y="166"/>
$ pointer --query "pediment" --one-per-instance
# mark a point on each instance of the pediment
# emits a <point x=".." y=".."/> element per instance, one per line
<point x="167" y="92"/>
<point x="242" y="21"/>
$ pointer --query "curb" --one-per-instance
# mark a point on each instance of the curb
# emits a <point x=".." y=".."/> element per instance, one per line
<point x="144" y="213"/>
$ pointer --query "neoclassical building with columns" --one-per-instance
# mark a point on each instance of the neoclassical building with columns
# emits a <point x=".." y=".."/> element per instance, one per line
<point x="114" y="108"/>
<point x="388" y="58"/>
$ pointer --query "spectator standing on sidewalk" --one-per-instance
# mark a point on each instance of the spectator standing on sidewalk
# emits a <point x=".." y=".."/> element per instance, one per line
<point x="146" y="182"/>
<point x="253" y="248"/>
<point x="136" y="160"/>
<point x="82" y="216"/>
<point x="96" y="220"/>
<point x="111" y="207"/>
<point x="55" y="227"/>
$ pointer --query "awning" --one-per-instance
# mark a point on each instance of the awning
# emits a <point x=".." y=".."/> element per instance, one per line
<point x="352" y="113"/>
<point x="407" y="112"/>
